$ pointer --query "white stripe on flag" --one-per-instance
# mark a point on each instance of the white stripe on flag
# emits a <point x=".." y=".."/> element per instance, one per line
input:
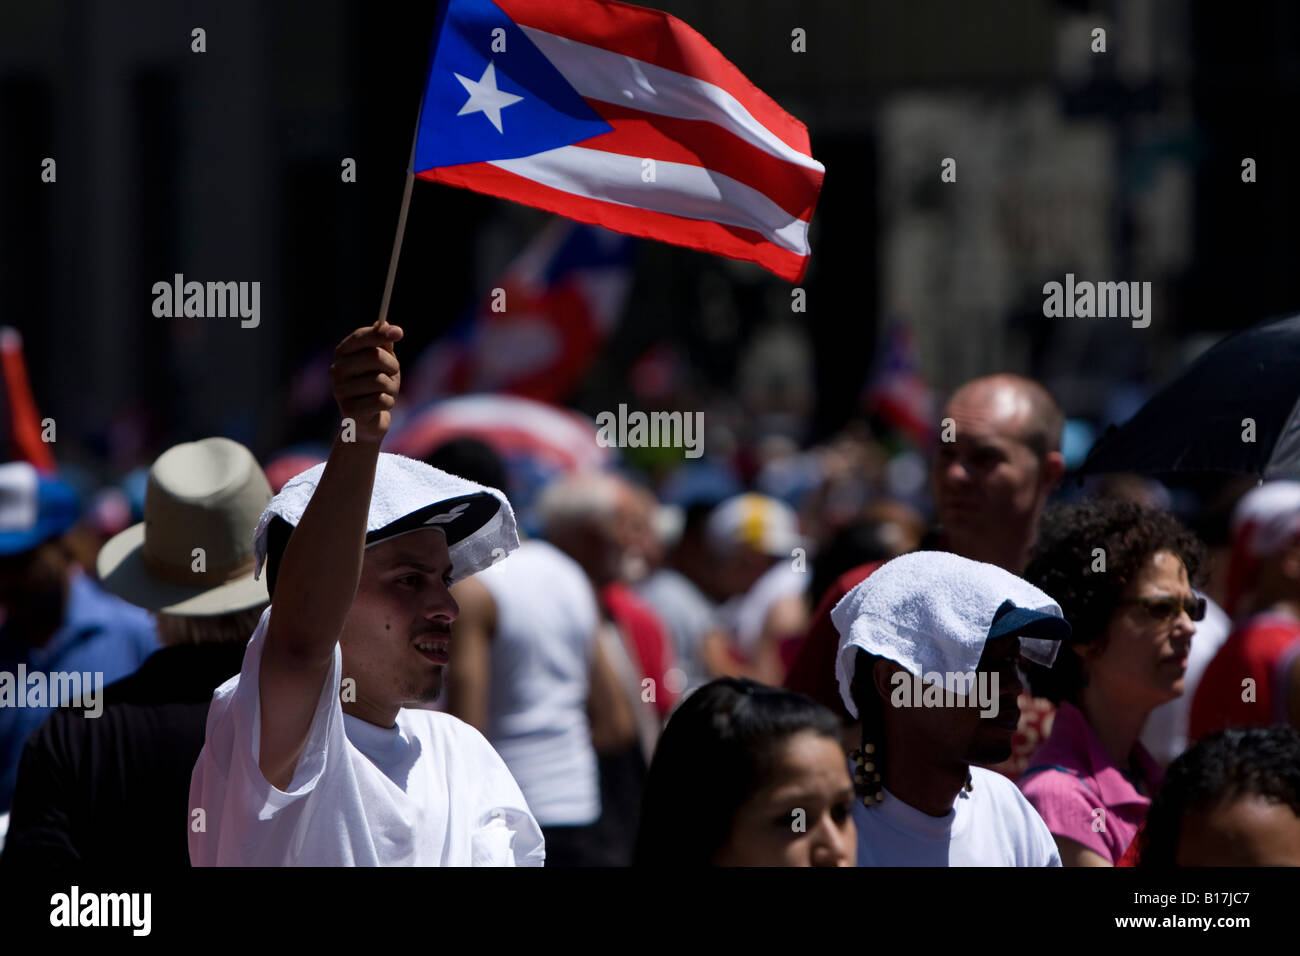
<point x="601" y="74"/>
<point x="554" y="428"/>
<point x="679" y="189"/>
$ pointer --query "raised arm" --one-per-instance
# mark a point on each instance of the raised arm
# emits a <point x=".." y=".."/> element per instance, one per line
<point x="318" y="574"/>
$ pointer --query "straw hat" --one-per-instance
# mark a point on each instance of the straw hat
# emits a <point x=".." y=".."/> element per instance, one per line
<point x="193" y="553"/>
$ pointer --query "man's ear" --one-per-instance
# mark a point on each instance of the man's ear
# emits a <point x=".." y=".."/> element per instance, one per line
<point x="1053" y="470"/>
<point x="1290" y="562"/>
<point x="866" y="676"/>
<point x="882" y="677"/>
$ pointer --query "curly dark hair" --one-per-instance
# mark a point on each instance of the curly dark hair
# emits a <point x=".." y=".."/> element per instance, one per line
<point x="1258" y="761"/>
<point x="1062" y="565"/>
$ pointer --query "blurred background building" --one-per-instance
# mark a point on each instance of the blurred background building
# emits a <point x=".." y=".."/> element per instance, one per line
<point x="226" y="166"/>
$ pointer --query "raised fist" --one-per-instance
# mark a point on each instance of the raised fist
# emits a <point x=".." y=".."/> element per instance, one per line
<point x="366" y="377"/>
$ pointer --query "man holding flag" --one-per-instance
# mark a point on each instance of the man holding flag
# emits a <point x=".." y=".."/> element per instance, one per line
<point x="321" y="751"/>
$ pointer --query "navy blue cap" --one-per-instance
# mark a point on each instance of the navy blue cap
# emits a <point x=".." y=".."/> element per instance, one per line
<point x="1010" y="619"/>
<point x="458" y="518"/>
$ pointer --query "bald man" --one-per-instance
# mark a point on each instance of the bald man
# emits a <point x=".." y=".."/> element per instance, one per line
<point x="998" y="459"/>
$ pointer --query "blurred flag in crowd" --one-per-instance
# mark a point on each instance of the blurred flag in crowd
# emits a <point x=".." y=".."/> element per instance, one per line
<point x="537" y="330"/>
<point x="537" y="442"/>
<point x="557" y="437"/>
<point x="291" y="461"/>
<point x="620" y="116"/>
<point x="20" y="425"/>
<point x="896" y="391"/>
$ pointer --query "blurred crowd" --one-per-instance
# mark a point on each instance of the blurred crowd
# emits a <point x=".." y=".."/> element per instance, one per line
<point x="698" y="664"/>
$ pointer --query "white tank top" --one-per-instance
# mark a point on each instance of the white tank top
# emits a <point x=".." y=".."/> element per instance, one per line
<point x="547" y="619"/>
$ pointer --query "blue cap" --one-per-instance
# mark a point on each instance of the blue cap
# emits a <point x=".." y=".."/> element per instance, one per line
<point x="704" y="483"/>
<point x="33" y="507"/>
<point x="1009" y="619"/>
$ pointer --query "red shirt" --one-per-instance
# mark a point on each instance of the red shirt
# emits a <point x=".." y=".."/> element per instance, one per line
<point x="813" y="670"/>
<point x="1261" y="648"/>
<point x="1131" y="855"/>
<point x="654" y="653"/>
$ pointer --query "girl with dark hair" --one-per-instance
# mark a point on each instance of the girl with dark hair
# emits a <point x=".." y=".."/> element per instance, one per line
<point x="1123" y="575"/>
<point x="1232" y="800"/>
<point x="748" y="775"/>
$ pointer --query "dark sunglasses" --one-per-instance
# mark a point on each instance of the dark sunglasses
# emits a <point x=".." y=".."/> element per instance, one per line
<point x="1167" y="608"/>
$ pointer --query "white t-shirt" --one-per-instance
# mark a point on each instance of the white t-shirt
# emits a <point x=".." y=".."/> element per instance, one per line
<point x="747" y="614"/>
<point x="687" y="613"/>
<point x="429" y="791"/>
<point x="540" y="675"/>
<point x="993" y="825"/>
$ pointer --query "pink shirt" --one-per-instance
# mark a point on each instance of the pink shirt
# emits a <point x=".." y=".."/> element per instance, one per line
<point x="1080" y="793"/>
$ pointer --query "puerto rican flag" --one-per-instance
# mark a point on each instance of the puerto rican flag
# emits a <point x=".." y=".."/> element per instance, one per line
<point x="619" y="116"/>
<point x="561" y="297"/>
<point x="897" y="391"/>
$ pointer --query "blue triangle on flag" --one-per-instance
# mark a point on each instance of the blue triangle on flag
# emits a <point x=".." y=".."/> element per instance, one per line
<point x="549" y="114"/>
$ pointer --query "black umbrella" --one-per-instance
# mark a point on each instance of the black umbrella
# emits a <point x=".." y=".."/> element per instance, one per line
<point x="1233" y="410"/>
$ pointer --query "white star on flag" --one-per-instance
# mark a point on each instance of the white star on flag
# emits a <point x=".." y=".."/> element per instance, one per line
<point x="485" y="98"/>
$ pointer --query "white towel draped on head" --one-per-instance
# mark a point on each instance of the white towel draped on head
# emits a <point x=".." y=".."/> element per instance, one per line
<point x="404" y="486"/>
<point x="931" y="611"/>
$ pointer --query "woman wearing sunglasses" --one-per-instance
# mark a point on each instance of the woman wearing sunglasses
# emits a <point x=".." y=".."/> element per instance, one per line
<point x="1123" y="575"/>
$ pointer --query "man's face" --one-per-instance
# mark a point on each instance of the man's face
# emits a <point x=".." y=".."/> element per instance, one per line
<point x="395" y="639"/>
<point x="738" y="567"/>
<point x="634" y="530"/>
<point x="959" y="733"/>
<point x="595" y="545"/>
<point x="987" y="483"/>
<point x="33" y="592"/>
<point x="990" y="739"/>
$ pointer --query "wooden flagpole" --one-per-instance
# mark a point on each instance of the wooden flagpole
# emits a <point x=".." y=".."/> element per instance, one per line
<point x="401" y="229"/>
<point x="410" y="170"/>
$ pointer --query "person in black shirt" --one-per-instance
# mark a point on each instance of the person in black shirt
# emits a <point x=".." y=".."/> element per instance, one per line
<point x="114" y="789"/>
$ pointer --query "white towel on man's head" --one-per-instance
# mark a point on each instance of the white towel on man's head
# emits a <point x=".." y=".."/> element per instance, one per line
<point x="931" y="611"/>
<point x="478" y="520"/>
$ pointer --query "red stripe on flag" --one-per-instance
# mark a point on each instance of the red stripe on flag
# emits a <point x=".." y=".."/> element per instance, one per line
<point x="705" y="235"/>
<point x="700" y="143"/>
<point x="659" y="38"/>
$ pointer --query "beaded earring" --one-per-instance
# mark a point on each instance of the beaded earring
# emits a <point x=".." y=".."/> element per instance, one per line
<point x="866" y="777"/>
